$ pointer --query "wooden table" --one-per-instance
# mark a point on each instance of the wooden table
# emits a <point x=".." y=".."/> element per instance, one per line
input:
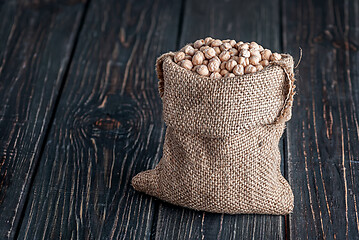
<point x="80" y="115"/>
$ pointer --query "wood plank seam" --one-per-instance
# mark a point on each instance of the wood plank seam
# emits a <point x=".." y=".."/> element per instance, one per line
<point x="108" y="127"/>
<point x="178" y="39"/>
<point x="47" y="131"/>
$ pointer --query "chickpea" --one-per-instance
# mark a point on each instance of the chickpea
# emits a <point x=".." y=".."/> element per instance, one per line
<point x="266" y="53"/>
<point x="259" y="67"/>
<point x="242" y="61"/>
<point x="223" y="72"/>
<point x="217" y="50"/>
<point x="209" y="53"/>
<point x="224" y="56"/>
<point x="208" y="40"/>
<point x="233" y="52"/>
<point x="264" y="63"/>
<point x="243" y="46"/>
<point x="215" y="75"/>
<point x="254" y="60"/>
<point x="179" y="56"/>
<point x="232" y="42"/>
<point x="225" y="46"/>
<point x="214" y="65"/>
<point x="229" y="75"/>
<point x="238" y="70"/>
<point x="275" y="57"/>
<point x="254" y="45"/>
<point x="223" y="65"/>
<point x="189" y="50"/>
<point x="199" y="43"/>
<point x="198" y="58"/>
<point x="187" y="64"/>
<point x="202" y="70"/>
<point x="250" y="69"/>
<point x="245" y="53"/>
<point x="216" y="43"/>
<point x="231" y="64"/>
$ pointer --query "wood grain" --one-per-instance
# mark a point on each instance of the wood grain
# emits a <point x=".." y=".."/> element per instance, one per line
<point x="257" y="21"/>
<point x="35" y="45"/>
<point x="108" y="124"/>
<point x="323" y="135"/>
<point x="107" y="127"/>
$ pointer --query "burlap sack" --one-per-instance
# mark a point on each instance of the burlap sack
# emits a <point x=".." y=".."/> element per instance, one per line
<point x="221" y="149"/>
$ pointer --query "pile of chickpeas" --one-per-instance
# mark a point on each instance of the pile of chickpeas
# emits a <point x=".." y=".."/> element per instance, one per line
<point x="216" y="58"/>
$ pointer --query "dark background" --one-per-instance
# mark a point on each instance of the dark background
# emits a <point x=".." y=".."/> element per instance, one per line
<point x="80" y="115"/>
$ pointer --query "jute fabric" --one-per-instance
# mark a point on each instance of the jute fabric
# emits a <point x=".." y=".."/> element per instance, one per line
<point x="221" y="151"/>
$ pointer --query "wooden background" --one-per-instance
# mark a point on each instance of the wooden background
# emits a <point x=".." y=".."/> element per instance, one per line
<point x="80" y="116"/>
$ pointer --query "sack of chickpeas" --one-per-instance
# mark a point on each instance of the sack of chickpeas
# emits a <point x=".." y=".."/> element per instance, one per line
<point x="225" y="104"/>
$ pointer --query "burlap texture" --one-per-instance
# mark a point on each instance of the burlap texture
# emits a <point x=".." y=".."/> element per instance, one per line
<point x="221" y="149"/>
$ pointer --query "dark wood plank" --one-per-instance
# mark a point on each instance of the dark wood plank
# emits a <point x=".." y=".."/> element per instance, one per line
<point x="323" y="133"/>
<point x="247" y="21"/>
<point x="107" y="127"/>
<point x="35" y="45"/>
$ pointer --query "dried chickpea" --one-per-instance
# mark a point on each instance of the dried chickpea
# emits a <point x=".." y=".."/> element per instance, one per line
<point x="216" y="58"/>
<point x="209" y="53"/>
<point x="255" y="52"/>
<point x="188" y="57"/>
<point x="189" y="50"/>
<point x="243" y="46"/>
<point x="202" y="70"/>
<point x="242" y="61"/>
<point x="215" y="75"/>
<point x="245" y="53"/>
<point x="198" y="58"/>
<point x="223" y="72"/>
<point x="187" y="64"/>
<point x="254" y="60"/>
<point x="254" y="45"/>
<point x="229" y="75"/>
<point x="225" y="46"/>
<point x="266" y="53"/>
<point x="250" y="69"/>
<point x="238" y="70"/>
<point x="223" y="65"/>
<point x="235" y="58"/>
<point x="232" y="42"/>
<point x="203" y="48"/>
<point x="179" y="56"/>
<point x="199" y="43"/>
<point x="216" y="43"/>
<point x="214" y="65"/>
<point x="217" y="50"/>
<point x="238" y="44"/>
<point x="224" y="56"/>
<point x="231" y="64"/>
<point x="208" y="40"/>
<point x="264" y="63"/>
<point x="275" y="57"/>
<point x="259" y="67"/>
<point x="233" y="52"/>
